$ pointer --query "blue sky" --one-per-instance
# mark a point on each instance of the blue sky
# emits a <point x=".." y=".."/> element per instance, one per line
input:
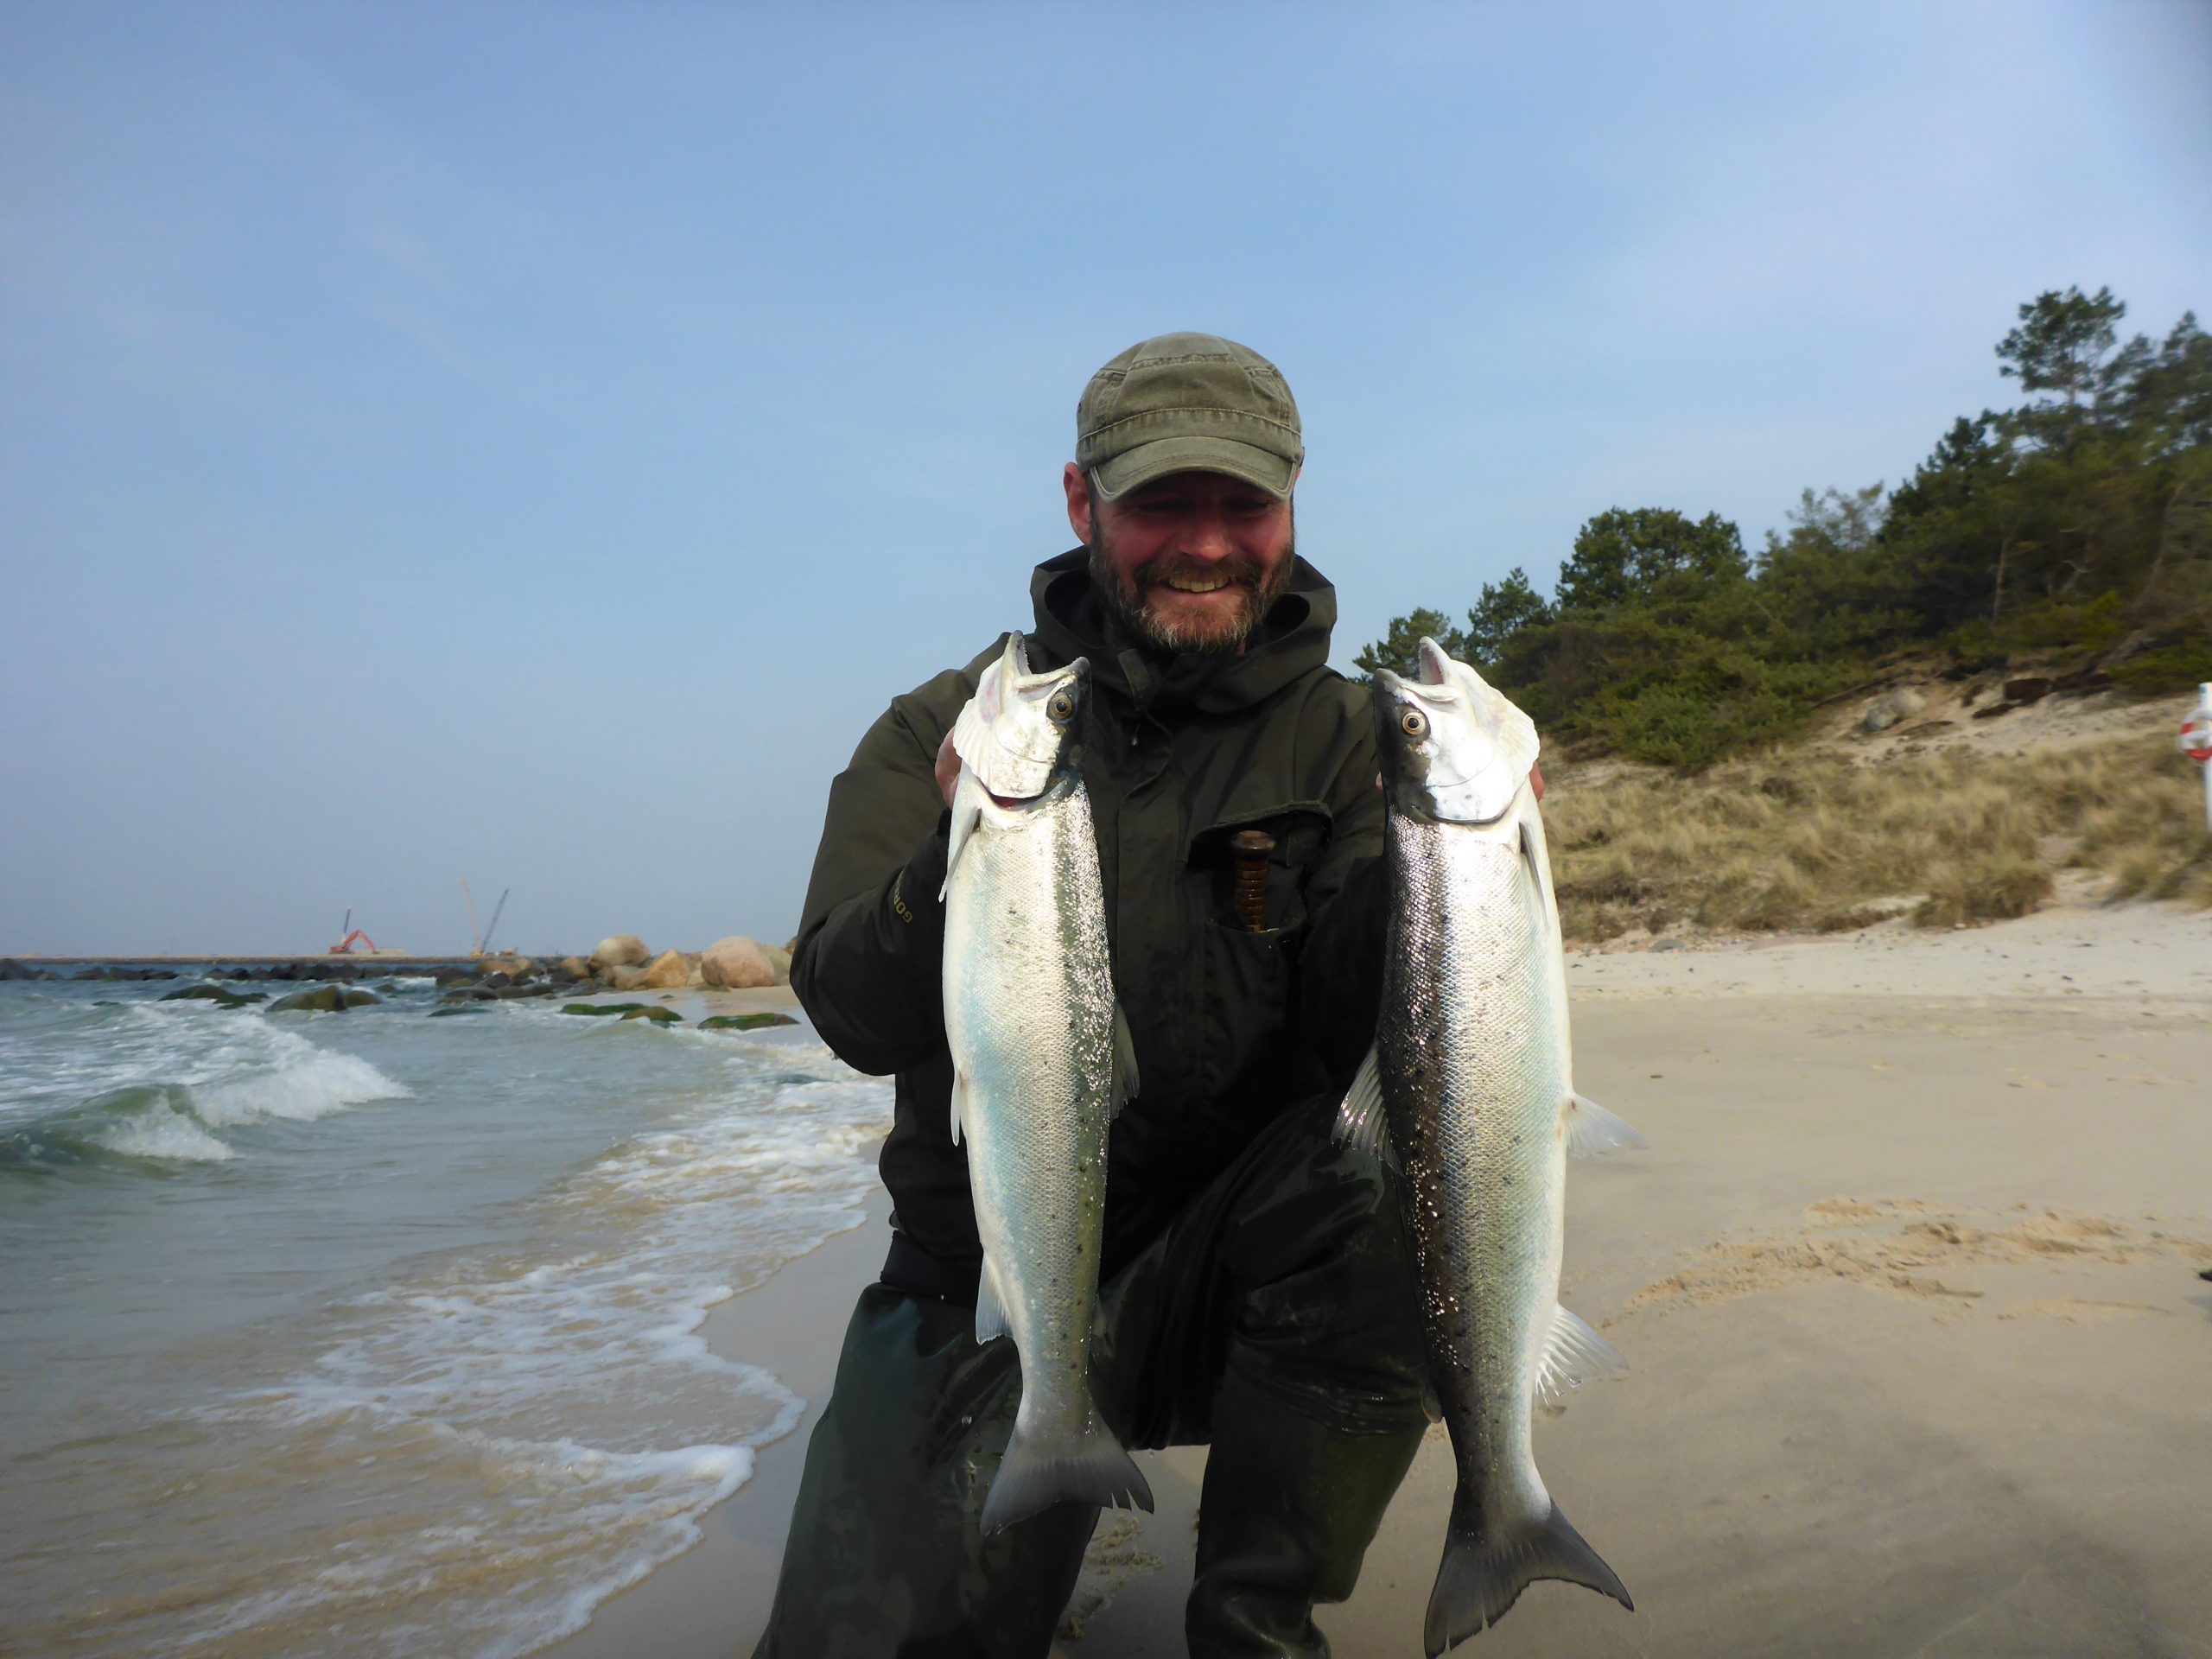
<point x="531" y="442"/>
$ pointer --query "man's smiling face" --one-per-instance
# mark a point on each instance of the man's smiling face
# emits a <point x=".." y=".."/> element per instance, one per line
<point x="1191" y="561"/>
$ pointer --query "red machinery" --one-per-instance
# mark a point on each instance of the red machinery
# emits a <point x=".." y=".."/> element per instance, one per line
<point x="344" y="946"/>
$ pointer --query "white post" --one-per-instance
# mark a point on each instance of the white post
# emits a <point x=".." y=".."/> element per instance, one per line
<point x="2204" y="738"/>
<point x="2196" y="740"/>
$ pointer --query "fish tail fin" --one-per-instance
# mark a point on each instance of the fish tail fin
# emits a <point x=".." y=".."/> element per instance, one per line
<point x="1083" y="1466"/>
<point x="1481" y="1576"/>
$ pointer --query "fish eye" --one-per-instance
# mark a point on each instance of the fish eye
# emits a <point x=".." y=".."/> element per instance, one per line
<point x="1413" y="722"/>
<point x="1061" y="707"/>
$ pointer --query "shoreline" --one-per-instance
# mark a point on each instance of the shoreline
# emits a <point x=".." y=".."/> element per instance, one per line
<point x="1907" y="1284"/>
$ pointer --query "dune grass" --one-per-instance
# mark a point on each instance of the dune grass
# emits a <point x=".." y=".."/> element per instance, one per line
<point x="1813" y="843"/>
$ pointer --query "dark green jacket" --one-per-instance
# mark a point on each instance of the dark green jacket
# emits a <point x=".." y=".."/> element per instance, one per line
<point x="1231" y="1026"/>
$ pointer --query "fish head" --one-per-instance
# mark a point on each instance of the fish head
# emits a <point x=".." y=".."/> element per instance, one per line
<point x="1018" y="734"/>
<point x="1454" y="747"/>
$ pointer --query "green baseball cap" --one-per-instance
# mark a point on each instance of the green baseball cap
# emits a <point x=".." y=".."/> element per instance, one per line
<point x="1188" y="404"/>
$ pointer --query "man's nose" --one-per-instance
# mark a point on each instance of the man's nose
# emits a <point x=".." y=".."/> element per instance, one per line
<point x="1206" y="536"/>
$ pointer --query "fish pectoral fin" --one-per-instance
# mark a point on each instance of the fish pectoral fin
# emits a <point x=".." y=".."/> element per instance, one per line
<point x="1125" y="1061"/>
<point x="959" y="1103"/>
<point x="966" y="812"/>
<point x="1592" y="1131"/>
<point x="1574" y="1354"/>
<point x="1359" y="1120"/>
<point x="990" y="1308"/>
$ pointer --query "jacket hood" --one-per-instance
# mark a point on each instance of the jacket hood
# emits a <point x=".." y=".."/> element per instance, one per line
<point x="1291" y="639"/>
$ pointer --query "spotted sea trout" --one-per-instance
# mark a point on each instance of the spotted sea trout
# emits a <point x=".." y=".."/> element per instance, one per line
<point x="1041" y="1062"/>
<point x="1471" y="1087"/>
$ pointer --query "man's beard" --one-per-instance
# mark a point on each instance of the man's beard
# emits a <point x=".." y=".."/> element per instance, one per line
<point x="1123" y="596"/>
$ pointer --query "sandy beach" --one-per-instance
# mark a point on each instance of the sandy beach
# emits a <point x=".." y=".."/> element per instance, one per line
<point x="1907" y="1279"/>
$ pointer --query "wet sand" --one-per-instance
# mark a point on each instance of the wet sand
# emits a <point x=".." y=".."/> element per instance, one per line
<point x="1908" y="1284"/>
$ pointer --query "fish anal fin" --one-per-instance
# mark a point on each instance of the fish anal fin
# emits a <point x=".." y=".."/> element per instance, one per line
<point x="1592" y="1131"/>
<point x="990" y="1308"/>
<point x="1573" y="1354"/>
<point x="1125" y="1061"/>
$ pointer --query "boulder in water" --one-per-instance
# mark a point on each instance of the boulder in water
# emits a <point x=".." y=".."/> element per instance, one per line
<point x="324" y="999"/>
<point x="10" y="968"/>
<point x="206" y="993"/>
<point x="658" y="1016"/>
<point x="737" y="963"/>
<point x="745" y="1021"/>
<point x="597" y="1008"/>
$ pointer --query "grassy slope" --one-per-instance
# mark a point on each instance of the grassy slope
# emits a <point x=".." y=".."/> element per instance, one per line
<point x="1814" y="841"/>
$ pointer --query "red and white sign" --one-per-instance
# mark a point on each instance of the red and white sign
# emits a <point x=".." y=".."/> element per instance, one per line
<point x="2196" y="736"/>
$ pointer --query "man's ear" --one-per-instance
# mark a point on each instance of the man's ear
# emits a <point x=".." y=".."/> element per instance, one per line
<point x="1078" y="491"/>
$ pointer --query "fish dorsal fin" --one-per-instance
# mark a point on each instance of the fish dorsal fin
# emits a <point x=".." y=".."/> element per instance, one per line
<point x="1359" y="1120"/>
<point x="1592" y="1131"/>
<point x="1573" y="1355"/>
<point x="990" y="1306"/>
<point x="1125" y="1062"/>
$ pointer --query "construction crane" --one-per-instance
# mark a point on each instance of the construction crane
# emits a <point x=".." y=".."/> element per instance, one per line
<point x="480" y="938"/>
<point x="344" y="946"/>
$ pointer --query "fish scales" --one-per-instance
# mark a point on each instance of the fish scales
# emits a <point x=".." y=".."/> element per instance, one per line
<point x="1466" y="1034"/>
<point x="1041" y="1063"/>
<point x="1472" y="1083"/>
<point x="1035" y="1016"/>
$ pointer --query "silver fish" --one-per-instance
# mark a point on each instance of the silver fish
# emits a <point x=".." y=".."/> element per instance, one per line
<point x="1471" y="1085"/>
<point x="1041" y="1062"/>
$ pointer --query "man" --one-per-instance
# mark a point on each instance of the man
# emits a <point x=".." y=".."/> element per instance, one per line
<point x="1256" y="1290"/>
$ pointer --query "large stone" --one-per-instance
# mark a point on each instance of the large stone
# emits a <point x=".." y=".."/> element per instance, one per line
<point x="620" y="951"/>
<point x="509" y="963"/>
<point x="745" y="1021"/>
<point x="738" y="963"/>
<point x="324" y="999"/>
<point x="666" y="972"/>
<point x="10" y="968"/>
<point x="1889" y="707"/>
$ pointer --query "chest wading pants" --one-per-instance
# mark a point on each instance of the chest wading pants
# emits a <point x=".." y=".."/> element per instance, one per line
<point x="1275" y="1318"/>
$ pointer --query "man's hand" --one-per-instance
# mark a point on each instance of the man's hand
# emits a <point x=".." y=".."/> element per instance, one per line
<point x="948" y="770"/>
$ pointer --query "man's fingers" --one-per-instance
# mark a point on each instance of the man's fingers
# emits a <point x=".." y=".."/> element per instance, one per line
<point x="1536" y="780"/>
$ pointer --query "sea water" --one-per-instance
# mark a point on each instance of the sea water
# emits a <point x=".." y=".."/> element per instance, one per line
<point x="371" y="1333"/>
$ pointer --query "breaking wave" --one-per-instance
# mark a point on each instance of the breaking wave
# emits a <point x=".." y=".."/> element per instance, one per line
<point x="154" y="1083"/>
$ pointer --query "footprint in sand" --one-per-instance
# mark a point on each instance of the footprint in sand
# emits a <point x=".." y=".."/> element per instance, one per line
<point x="1908" y="1245"/>
<point x="2076" y="1311"/>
